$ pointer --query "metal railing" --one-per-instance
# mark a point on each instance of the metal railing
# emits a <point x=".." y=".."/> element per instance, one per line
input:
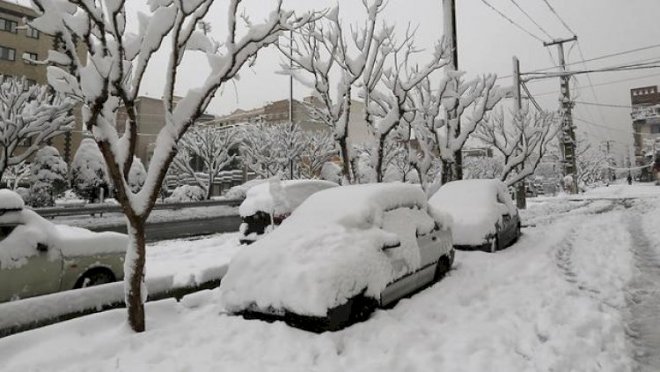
<point x="100" y="209"/>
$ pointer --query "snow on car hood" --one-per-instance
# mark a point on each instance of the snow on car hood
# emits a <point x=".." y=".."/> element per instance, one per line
<point x="71" y="241"/>
<point x="473" y="206"/>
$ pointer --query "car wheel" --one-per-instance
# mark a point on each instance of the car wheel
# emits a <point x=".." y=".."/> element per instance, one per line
<point x="442" y="268"/>
<point x="362" y="308"/>
<point x="95" y="277"/>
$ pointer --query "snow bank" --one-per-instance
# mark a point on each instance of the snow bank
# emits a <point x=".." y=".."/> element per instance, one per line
<point x="327" y="251"/>
<point x="474" y="208"/>
<point x="280" y="197"/>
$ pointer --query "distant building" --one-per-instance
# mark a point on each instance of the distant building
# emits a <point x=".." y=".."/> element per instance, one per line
<point x="484" y="152"/>
<point x="645" y="115"/>
<point x="151" y="119"/>
<point x="278" y="112"/>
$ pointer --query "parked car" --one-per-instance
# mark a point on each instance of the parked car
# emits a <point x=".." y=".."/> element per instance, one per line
<point x="38" y="257"/>
<point x="267" y="204"/>
<point x="485" y="217"/>
<point x="342" y="253"/>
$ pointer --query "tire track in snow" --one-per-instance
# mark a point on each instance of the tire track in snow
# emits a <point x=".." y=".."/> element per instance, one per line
<point x="564" y="252"/>
<point x="643" y="298"/>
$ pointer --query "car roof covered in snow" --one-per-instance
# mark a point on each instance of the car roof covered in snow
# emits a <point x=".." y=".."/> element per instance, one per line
<point x="10" y="201"/>
<point x="356" y="205"/>
<point x="280" y="197"/>
<point x="475" y="206"/>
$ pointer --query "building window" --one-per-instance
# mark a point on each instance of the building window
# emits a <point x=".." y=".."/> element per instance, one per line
<point x="7" y="25"/>
<point x="8" y="54"/>
<point x="29" y="57"/>
<point x="32" y="32"/>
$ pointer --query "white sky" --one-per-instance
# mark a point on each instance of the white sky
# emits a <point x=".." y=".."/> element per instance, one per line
<point x="486" y="44"/>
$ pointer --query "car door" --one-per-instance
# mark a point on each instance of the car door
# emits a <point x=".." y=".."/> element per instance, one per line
<point x="27" y="267"/>
<point x="413" y="259"/>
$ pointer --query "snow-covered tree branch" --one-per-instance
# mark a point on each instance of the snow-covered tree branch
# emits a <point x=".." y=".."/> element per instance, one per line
<point x="111" y="76"/>
<point x="29" y="116"/>
<point x="335" y="58"/>
<point x="521" y="139"/>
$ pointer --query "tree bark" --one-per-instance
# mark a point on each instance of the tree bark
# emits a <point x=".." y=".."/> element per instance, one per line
<point x="521" y="196"/>
<point x="134" y="271"/>
<point x="345" y="160"/>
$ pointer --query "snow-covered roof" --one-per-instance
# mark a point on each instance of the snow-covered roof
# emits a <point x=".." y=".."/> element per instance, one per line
<point x="280" y="197"/>
<point x="329" y="250"/>
<point x="475" y="206"/>
<point x="9" y="200"/>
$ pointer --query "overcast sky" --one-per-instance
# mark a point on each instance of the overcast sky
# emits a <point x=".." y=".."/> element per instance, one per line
<point x="486" y="43"/>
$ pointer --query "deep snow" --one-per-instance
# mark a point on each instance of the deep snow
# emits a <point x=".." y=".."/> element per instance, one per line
<point x="569" y="296"/>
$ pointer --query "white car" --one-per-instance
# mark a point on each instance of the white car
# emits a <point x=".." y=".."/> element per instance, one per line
<point x="341" y="253"/>
<point x="484" y="215"/>
<point x="267" y="204"/>
<point x="38" y="257"/>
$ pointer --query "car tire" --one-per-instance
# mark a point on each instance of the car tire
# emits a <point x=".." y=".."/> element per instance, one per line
<point x="442" y="268"/>
<point x="362" y="308"/>
<point x="95" y="277"/>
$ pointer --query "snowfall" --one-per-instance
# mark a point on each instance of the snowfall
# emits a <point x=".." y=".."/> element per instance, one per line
<point x="578" y="292"/>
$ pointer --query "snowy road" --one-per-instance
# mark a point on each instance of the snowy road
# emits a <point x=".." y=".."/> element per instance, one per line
<point x="578" y="292"/>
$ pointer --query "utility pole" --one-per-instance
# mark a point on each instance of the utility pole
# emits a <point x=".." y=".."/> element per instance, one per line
<point x="610" y="171"/>
<point x="568" y="131"/>
<point x="291" y="95"/>
<point x="521" y="201"/>
<point x="455" y="170"/>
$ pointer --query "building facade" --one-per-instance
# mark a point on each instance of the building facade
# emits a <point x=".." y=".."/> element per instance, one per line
<point x="645" y="115"/>
<point x="19" y="46"/>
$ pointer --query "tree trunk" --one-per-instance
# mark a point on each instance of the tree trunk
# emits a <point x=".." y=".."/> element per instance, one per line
<point x="135" y="289"/>
<point x="379" y="159"/>
<point x="521" y="201"/>
<point x="345" y="160"/>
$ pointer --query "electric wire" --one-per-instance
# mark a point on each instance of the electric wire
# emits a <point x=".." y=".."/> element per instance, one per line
<point x="558" y="17"/>
<point x="531" y="19"/>
<point x="511" y="21"/>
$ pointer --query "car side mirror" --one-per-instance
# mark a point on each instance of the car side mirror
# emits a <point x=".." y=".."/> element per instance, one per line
<point x="41" y="247"/>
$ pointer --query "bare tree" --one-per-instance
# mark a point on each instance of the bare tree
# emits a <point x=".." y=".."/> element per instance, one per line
<point x="336" y="59"/>
<point x="29" y="116"/>
<point x="387" y="88"/>
<point x="215" y="148"/>
<point x="112" y="74"/>
<point x="522" y="140"/>
<point x="436" y="132"/>
<point x="319" y="148"/>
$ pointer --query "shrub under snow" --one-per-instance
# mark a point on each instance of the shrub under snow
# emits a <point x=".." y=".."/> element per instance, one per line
<point x="186" y="193"/>
<point x="88" y="171"/>
<point x="48" y="178"/>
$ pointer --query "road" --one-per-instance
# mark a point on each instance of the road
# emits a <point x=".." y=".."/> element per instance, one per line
<point x="164" y="230"/>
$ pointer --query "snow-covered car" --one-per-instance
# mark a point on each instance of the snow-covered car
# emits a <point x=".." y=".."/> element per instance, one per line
<point x="267" y="204"/>
<point x="484" y="215"/>
<point x="38" y="257"/>
<point x="342" y="253"/>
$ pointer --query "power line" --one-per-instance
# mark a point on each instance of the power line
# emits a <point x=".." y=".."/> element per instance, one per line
<point x="614" y="129"/>
<point x="558" y="17"/>
<point x="596" y="59"/>
<point x="603" y="84"/>
<point x="529" y="95"/>
<point x="580" y="72"/>
<point x="532" y="19"/>
<point x="603" y="105"/>
<point x="511" y="21"/>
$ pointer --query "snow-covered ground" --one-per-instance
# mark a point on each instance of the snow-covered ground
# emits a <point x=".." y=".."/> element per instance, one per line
<point x="578" y="292"/>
